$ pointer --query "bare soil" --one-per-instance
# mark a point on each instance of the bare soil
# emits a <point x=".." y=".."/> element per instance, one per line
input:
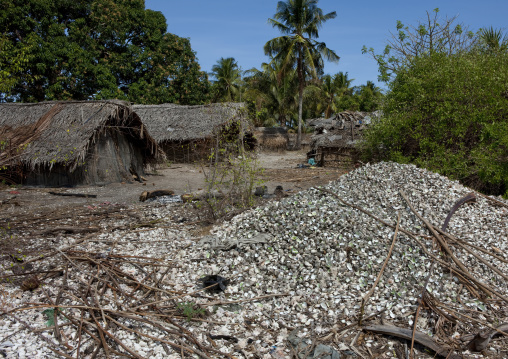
<point x="279" y="169"/>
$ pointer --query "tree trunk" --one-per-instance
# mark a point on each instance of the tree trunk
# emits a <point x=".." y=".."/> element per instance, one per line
<point x="300" y="101"/>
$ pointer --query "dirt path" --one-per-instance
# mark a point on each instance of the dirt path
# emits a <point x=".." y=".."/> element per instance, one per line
<point x="279" y="169"/>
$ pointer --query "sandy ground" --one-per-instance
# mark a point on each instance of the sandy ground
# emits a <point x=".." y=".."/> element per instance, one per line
<point x="279" y="169"/>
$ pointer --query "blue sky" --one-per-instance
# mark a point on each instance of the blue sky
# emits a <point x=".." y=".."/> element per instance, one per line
<point x="239" y="29"/>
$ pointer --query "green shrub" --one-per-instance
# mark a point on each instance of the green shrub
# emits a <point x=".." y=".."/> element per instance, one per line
<point x="449" y="114"/>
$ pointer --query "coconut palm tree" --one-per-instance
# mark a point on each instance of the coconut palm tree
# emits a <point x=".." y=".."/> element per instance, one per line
<point x="299" y="22"/>
<point x="494" y="40"/>
<point x="333" y="88"/>
<point x="275" y="89"/>
<point x="227" y="76"/>
<point x="369" y="96"/>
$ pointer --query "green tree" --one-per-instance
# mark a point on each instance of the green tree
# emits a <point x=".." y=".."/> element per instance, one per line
<point x="493" y="40"/>
<point x="227" y="76"/>
<point x="333" y="88"/>
<point x="96" y="49"/>
<point x="369" y="97"/>
<point x="449" y="114"/>
<point x="299" y="22"/>
<point x="433" y="35"/>
<point x="274" y="89"/>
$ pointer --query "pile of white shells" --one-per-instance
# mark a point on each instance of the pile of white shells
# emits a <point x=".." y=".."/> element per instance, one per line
<point x="320" y="255"/>
<point x="327" y="255"/>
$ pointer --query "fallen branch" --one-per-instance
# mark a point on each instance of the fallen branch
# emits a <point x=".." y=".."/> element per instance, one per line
<point x="480" y="285"/>
<point x="67" y="229"/>
<point x="419" y="337"/>
<point x="67" y="194"/>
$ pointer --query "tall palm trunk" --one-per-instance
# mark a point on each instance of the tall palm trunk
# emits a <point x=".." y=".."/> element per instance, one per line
<point x="300" y="100"/>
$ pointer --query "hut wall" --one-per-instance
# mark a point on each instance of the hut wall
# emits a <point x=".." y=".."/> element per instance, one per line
<point x="111" y="158"/>
<point x="187" y="151"/>
<point x="272" y="138"/>
<point x="305" y="141"/>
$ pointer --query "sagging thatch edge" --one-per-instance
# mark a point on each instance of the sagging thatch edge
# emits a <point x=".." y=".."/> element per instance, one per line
<point x="170" y="122"/>
<point x="342" y="130"/>
<point x="120" y="113"/>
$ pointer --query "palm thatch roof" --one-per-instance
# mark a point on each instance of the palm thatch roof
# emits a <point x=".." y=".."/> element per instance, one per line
<point x="343" y="130"/>
<point x="170" y="122"/>
<point x="48" y="133"/>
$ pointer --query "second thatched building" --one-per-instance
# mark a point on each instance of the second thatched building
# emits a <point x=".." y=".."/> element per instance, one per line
<point x="188" y="133"/>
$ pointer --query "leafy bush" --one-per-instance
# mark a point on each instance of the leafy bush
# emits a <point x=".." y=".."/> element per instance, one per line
<point x="231" y="174"/>
<point x="449" y="114"/>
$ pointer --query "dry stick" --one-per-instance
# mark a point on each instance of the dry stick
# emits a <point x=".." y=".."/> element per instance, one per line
<point x="479" y="284"/>
<point x="101" y="333"/>
<point x="484" y="287"/>
<point x="418" y="309"/>
<point x="482" y="260"/>
<point x="57" y="301"/>
<point x="246" y="300"/>
<point x="473" y="319"/>
<point x="182" y="347"/>
<point x="441" y="241"/>
<point x="493" y="200"/>
<point x="463" y="242"/>
<point x="171" y="298"/>
<point x="80" y="331"/>
<point x="51" y="254"/>
<point x="100" y="308"/>
<point x="156" y="284"/>
<point x="470" y="197"/>
<point x="51" y="344"/>
<point x="367" y="296"/>
<point x="184" y="332"/>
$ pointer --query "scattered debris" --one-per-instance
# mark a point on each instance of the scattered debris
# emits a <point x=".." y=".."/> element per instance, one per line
<point x="68" y="194"/>
<point x="152" y="194"/>
<point x="214" y="283"/>
<point x="261" y="191"/>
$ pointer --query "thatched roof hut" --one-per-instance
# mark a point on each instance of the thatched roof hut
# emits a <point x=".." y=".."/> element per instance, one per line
<point x="335" y="138"/>
<point x="185" y="132"/>
<point x="69" y="143"/>
<point x="272" y="138"/>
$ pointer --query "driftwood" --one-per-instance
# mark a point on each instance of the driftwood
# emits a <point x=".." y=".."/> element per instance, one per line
<point x="419" y="337"/>
<point x="153" y="194"/>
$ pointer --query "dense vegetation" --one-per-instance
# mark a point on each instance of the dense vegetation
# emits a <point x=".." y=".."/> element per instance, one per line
<point x="104" y="49"/>
<point x="447" y="109"/>
<point x="100" y="49"/>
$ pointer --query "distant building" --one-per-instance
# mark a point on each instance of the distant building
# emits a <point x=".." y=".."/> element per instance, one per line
<point x="335" y="139"/>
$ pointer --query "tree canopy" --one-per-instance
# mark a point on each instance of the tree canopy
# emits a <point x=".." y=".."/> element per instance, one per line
<point x="227" y="76"/>
<point x="299" y="22"/>
<point x="60" y="50"/>
<point x="447" y="111"/>
<point x="409" y="42"/>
